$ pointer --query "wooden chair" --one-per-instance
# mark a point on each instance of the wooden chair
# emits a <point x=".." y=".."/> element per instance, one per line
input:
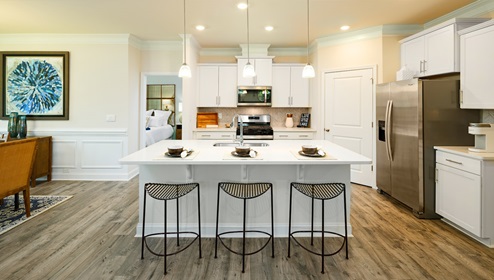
<point x="16" y="165"/>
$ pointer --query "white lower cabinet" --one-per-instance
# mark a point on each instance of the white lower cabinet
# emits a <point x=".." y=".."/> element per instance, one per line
<point x="465" y="193"/>
<point x="293" y="135"/>
<point x="214" y="135"/>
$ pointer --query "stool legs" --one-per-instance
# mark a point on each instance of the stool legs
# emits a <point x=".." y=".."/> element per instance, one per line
<point x="272" y="224"/>
<point x="243" y="237"/>
<point x="290" y="220"/>
<point x="322" y="237"/>
<point x="143" y="224"/>
<point x="165" y="239"/>
<point x="217" y="222"/>
<point x="199" y="220"/>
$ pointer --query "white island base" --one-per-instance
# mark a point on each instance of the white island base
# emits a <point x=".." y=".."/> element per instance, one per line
<point x="275" y="164"/>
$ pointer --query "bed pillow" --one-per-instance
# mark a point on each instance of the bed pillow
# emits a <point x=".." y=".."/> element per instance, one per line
<point x="149" y="113"/>
<point x="164" y="114"/>
<point x="156" y="121"/>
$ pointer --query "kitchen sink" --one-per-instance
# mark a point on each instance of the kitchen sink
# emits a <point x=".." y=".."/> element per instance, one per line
<point x="234" y="144"/>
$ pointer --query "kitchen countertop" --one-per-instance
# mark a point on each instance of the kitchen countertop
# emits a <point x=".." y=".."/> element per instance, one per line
<point x="279" y="128"/>
<point x="463" y="151"/>
<point x="279" y="152"/>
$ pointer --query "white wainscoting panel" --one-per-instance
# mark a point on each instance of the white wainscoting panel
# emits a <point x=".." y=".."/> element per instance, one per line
<point x="89" y="155"/>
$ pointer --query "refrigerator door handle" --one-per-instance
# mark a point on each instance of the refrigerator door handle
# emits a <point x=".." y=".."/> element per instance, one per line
<point x="386" y="136"/>
<point x="388" y="130"/>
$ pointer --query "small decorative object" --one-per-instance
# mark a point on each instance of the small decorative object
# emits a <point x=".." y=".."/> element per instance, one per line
<point x="22" y="127"/>
<point x="289" y="120"/>
<point x="12" y="126"/>
<point x="304" y="120"/>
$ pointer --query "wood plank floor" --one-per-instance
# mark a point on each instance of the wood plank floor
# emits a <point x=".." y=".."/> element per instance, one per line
<point x="91" y="237"/>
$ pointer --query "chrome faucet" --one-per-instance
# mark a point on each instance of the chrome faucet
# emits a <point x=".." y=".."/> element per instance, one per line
<point x="241" y="128"/>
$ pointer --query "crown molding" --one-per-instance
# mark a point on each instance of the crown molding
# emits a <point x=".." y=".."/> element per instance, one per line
<point x="478" y="8"/>
<point x="48" y="38"/>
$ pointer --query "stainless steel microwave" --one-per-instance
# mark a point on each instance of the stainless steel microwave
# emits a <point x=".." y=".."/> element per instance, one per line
<point x="254" y="96"/>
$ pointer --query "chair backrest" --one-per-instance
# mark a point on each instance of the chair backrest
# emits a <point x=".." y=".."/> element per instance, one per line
<point x="16" y="165"/>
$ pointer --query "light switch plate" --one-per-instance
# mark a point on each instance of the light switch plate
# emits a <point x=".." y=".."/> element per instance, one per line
<point x="110" y="118"/>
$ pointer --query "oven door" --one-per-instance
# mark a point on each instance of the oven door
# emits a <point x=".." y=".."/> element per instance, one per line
<point x="254" y="96"/>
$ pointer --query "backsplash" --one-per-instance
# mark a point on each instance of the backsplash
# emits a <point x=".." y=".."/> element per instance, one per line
<point x="278" y="115"/>
<point x="487" y="116"/>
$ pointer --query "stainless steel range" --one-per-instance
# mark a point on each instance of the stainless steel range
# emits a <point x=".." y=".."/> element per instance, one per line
<point x="255" y="127"/>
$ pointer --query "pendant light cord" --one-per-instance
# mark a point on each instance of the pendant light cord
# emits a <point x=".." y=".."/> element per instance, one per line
<point x="248" y="40"/>
<point x="307" y="31"/>
<point x="185" y="41"/>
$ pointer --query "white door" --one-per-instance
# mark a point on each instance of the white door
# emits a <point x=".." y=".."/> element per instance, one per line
<point x="348" y="119"/>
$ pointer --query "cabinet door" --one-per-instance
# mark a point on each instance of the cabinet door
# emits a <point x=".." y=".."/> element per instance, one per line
<point x="227" y="88"/>
<point x="477" y="66"/>
<point x="412" y="55"/>
<point x="207" y="86"/>
<point x="281" y="86"/>
<point x="458" y="197"/>
<point x="299" y="88"/>
<point x="264" y="70"/>
<point x="440" y="54"/>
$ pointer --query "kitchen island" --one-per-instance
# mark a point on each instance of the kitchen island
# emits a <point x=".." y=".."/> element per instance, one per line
<point x="278" y="163"/>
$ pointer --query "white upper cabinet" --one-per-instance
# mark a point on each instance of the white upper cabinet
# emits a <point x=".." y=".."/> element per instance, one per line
<point x="435" y="50"/>
<point x="477" y="66"/>
<point x="263" y="68"/>
<point x="217" y="86"/>
<point x="289" y="88"/>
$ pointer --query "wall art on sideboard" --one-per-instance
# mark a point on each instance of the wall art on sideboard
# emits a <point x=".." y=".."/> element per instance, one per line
<point x="35" y="84"/>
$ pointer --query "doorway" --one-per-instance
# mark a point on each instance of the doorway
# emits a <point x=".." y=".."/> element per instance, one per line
<point x="349" y="116"/>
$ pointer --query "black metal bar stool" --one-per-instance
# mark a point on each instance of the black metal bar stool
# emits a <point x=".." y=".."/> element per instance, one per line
<point x="244" y="191"/>
<point x="167" y="192"/>
<point x="323" y="192"/>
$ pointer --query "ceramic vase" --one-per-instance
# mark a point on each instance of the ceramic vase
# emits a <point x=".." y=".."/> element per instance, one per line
<point x="289" y="120"/>
<point x="22" y="127"/>
<point x="12" y="125"/>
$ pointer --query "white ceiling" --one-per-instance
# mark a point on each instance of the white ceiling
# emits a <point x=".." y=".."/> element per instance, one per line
<point x="158" y="20"/>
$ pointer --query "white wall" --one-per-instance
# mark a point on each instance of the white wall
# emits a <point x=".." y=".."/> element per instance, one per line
<point x="103" y="82"/>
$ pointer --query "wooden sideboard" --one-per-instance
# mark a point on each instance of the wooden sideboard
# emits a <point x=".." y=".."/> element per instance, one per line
<point x="43" y="160"/>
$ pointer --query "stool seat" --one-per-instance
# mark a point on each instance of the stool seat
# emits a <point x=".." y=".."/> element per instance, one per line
<point x="165" y="192"/>
<point x="320" y="191"/>
<point x="162" y="191"/>
<point x="244" y="191"/>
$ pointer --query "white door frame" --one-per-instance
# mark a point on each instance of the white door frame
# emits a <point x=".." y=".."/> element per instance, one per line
<point x="323" y="101"/>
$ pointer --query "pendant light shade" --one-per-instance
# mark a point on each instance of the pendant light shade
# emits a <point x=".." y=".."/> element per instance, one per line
<point x="308" y="71"/>
<point x="184" y="71"/>
<point x="249" y="71"/>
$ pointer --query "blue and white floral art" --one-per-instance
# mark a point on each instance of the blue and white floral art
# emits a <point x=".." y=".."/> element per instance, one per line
<point x="35" y="87"/>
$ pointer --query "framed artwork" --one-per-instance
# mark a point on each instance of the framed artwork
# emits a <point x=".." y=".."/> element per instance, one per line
<point x="304" y="120"/>
<point x="35" y="84"/>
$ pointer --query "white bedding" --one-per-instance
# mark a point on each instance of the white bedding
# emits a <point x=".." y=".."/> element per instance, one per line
<point x="158" y="133"/>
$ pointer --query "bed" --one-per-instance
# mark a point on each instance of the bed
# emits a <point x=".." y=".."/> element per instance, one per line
<point x="159" y="126"/>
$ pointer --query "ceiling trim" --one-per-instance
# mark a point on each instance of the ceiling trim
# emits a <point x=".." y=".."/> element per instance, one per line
<point x="478" y="8"/>
<point x="52" y="39"/>
<point x="368" y="33"/>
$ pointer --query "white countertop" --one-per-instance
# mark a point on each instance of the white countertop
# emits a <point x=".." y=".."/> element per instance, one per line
<point x="279" y="152"/>
<point x="275" y="128"/>
<point x="463" y="151"/>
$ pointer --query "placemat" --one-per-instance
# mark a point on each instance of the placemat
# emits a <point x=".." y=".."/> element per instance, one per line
<point x="165" y="157"/>
<point x="301" y="157"/>
<point x="228" y="155"/>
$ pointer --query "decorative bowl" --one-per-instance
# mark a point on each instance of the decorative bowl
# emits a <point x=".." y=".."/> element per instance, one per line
<point x="309" y="149"/>
<point x="242" y="150"/>
<point x="175" y="150"/>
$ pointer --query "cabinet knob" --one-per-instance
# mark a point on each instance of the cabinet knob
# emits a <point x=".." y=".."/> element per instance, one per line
<point x="327" y="130"/>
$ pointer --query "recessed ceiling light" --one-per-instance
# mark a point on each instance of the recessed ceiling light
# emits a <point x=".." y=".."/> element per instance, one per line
<point x="242" y="6"/>
<point x="200" y="27"/>
<point x="345" y="27"/>
<point x="269" y="28"/>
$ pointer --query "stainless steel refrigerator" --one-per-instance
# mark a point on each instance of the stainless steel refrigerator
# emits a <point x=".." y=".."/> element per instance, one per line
<point x="414" y="116"/>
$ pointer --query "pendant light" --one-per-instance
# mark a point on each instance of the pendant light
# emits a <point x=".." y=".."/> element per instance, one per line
<point x="308" y="71"/>
<point x="248" y="71"/>
<point x="184" y="71"/>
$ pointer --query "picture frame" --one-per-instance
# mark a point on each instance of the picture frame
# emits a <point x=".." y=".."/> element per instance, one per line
<point x="35" y="84"/>
<point x="304" y="120"/>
